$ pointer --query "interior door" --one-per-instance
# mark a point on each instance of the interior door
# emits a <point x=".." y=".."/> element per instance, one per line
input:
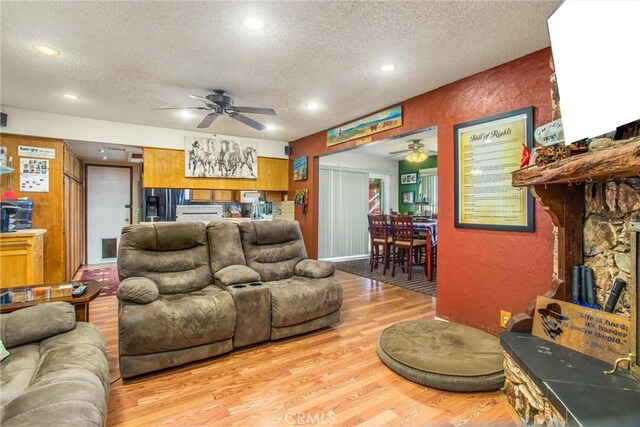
<point x="108" y="210"/>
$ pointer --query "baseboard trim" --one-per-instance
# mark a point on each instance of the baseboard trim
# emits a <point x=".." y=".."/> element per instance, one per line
<point x="441" y="319"/>
<point x="345" y="258"/>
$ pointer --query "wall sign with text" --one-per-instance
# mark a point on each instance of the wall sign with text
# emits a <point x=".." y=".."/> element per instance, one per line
<point x="486" y="151"/>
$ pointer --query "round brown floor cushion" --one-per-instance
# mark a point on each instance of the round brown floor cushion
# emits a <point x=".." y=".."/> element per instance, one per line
<point x="443" y="355"/>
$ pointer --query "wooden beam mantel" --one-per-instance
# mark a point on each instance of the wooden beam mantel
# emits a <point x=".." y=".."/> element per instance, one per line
<point x="622" y="161"/>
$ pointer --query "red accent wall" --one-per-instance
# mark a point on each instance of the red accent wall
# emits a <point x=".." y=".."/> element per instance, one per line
<point x="480" y="272"/>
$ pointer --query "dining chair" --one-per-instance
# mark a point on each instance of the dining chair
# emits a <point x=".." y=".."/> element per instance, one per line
<point x="405" y="246"/>
<point x="379" y="232"/>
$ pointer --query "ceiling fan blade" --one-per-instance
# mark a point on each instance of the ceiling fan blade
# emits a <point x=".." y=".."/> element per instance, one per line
<point x="401" y="151"/>
<point x="208" y="119"/>
<point x="247" y="121"/>
<point x="184" y="108"/>
<point x="254" y="110"/>
<point x="201" y="98"/>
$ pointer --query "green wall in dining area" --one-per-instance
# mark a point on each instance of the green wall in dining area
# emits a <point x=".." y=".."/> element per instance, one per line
<point x="407" y="167"/>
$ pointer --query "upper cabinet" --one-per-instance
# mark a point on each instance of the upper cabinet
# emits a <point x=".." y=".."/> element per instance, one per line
<point x="165" y="169"/>
<point x="72" y="166"/>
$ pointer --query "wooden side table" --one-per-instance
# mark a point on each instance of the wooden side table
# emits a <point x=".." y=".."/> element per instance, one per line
<point x="80" y="304"/>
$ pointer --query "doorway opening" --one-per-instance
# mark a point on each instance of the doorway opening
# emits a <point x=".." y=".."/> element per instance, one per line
<point x="109" y="209"/>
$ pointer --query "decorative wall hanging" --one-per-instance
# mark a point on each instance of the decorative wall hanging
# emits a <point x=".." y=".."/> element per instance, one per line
<point x="486" y="151"/>
<point x="409" y="178"/>
<point x="301" y="198"/>
<point x="407" y="197"/>
<point x="220" y="158"/>
<point x="379" y="122"/>
<point x="300" y="166"/>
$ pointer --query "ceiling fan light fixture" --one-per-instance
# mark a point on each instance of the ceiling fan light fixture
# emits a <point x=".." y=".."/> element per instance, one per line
<point x="387" y="68"/>
<point x="185" y="115"/>
<point x="271" y="127"/>
<point x="416" y="157"/>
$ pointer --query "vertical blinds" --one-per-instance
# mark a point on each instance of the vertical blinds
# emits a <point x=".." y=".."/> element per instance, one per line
<point x="342" y="213"/>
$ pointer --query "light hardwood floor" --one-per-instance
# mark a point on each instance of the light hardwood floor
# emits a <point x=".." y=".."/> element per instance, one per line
<point x="330" y="377"/>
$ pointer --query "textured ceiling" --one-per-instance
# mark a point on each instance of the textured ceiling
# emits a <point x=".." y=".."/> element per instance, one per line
<point x="124" y="58"/>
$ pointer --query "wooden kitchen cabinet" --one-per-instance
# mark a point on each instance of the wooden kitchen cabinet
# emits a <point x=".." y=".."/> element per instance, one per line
<point x="201" y="195"/>
<point x="22" y="258"/>
<point x="224" y="196"/>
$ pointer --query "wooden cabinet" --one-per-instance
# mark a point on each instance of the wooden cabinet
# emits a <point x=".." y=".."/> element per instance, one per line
<point x="21" y="258"/>
<point x="225" y="196"/>
<point x="200" y="195"/>
<point x="73" y="230"/>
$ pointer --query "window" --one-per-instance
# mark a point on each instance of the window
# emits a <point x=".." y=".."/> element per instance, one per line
<point x="427" y="201"/>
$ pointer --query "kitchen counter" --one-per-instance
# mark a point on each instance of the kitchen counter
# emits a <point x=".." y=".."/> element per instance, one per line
<point x="24" y="233"/>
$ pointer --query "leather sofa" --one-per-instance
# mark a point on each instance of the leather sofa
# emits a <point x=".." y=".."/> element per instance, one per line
<point x="192" y="291"/>
<point x="57" y="371"/>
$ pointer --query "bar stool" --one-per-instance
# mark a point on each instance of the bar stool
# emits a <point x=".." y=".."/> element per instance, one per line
<point x="379" y="232"/>
<point x="405" y="246"/>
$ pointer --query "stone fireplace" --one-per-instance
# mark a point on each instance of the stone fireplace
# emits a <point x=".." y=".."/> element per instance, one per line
<point x="609" y="208"/>
<point x="592" y="199"/>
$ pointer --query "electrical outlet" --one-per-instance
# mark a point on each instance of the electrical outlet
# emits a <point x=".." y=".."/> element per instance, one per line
<point x="504" y="318"/>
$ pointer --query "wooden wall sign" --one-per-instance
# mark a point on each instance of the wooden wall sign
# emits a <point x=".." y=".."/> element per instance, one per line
<point x="596" y="333"/>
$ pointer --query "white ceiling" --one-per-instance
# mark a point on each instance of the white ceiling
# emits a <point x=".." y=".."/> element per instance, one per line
<point x="88" y="150"/>
<point x="125" y="58"/>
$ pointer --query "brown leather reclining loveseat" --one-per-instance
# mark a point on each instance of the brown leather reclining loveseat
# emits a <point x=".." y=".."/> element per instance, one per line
<point x="191" y="291"/>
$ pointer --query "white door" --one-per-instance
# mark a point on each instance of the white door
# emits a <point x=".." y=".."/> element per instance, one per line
<point x="108" y="210"/>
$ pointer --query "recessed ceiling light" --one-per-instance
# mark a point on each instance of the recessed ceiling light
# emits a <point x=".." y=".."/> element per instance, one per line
<point x="46" y="50"/>
<point x="185" y="114"/>
<point x="387" y="68"/>
<point x="70" y="96"/>
<point x="271" y="127"/>
<point x="254" y="23"/>
<point x="104" y="157"/>
<point x="102" y="150"/>
<point x="313" y="106"/>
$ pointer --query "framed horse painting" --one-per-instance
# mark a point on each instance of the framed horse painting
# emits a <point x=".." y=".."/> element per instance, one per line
<point x="219" y="158"/>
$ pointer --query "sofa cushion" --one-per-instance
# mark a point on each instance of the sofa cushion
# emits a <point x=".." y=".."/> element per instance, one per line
<point x="225" y="248"/>
<point x="59" y="403"/>
<point x="140" y="290"/>
<point x="235" y="275"/>
<point x="272" y="248"/>
<point x="62" y="380"/>
<point x="315" y="269"/>
<point x="174" y="255"/>
<point x="16" y="372"/>
<point x="300" y="299"/>
<point x="176" y="321"/>
<point x="273" y="232"/>
<point x="35" y="323"/>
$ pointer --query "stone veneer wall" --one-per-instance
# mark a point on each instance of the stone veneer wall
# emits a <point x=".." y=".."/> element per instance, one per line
<point x="526" y="397"/>
<point x="609" y="208"/>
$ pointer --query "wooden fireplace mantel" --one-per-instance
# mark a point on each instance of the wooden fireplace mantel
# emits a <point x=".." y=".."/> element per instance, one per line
<point x="558" y="188"/>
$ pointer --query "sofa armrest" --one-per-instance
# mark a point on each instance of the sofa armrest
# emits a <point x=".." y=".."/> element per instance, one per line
<point x="139" y="290"/>
<point x="315" y="269"/>
<point x="235" y="275"/>
<point x="33" y="324"/>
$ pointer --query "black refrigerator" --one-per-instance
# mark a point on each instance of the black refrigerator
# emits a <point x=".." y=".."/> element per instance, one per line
<point x="160" y="203"/>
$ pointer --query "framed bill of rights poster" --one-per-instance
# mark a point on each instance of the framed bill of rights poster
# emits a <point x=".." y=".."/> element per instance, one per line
<point x="486" y="151"/>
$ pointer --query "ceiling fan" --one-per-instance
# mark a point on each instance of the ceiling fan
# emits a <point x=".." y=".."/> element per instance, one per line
<point x="220" y="102"/>
<point x="415" y="150"/>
